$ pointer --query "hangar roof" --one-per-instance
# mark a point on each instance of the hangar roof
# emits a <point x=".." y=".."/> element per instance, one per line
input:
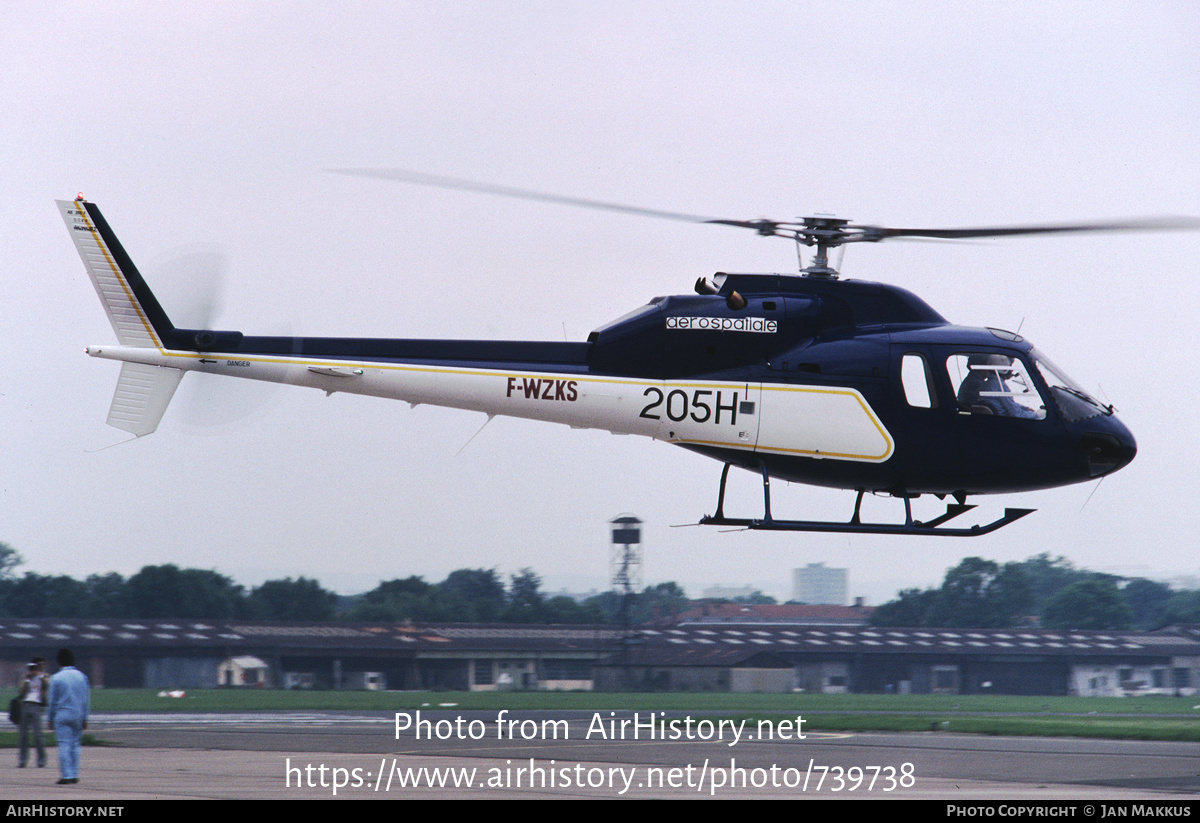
<point x="19" y="635"/>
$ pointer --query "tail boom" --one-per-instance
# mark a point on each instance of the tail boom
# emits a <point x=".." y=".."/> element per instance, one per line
<point x="551" y="382"/>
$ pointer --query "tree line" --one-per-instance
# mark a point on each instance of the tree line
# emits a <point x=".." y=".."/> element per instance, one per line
<point x="167" y="591"/>
<point x="977" y="593"/>
<point x="1045" y="591"/>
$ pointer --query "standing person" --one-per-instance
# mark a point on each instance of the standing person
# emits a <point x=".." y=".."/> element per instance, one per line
<point x="69" y="706"/>
<point x="35" y="688"/>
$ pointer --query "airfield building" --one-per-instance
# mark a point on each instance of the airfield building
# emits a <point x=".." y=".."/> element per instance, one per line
<point x="709" y="656"/>
<point x="820" y="585"/>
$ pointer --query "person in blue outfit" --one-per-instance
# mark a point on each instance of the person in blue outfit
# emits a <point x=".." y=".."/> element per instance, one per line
<point x="67" y="715"/>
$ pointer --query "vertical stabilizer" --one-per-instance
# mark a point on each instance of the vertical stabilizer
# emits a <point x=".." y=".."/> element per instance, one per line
<point x="143" y="391"/>
<point x="135" y="315"/>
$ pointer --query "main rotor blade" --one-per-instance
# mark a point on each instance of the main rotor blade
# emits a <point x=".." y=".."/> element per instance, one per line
<point x="873" y="233"/>
<point x="442" y="182"/>
<point x="828" y="232"/>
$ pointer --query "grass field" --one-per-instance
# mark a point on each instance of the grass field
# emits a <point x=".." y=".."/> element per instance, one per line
<point x="1149" y="718"/>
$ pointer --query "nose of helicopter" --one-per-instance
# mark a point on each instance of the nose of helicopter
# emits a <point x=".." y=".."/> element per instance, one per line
<point x="1108" y="450"/>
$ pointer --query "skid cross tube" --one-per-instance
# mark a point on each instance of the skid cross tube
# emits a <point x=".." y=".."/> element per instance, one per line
<point x="855" y="525"/>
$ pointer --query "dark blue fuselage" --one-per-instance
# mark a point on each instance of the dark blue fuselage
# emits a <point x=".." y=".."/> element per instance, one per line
<point x="969" y="411"/>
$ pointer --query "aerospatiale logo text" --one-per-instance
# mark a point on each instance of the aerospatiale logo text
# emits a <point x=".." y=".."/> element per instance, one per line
<point x="758" y="325"/>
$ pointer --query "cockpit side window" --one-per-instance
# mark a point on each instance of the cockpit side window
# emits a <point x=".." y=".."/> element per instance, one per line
<point x="994" y="384"/>
<point x="917" y="380"/>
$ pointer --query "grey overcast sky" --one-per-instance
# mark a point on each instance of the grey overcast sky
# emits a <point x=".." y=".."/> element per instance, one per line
<point x="212" y="123"/>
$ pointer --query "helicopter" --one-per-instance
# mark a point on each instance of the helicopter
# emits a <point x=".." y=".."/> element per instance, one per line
<point x="805" y="378"/>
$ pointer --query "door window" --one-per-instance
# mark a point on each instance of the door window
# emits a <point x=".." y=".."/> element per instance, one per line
<point x="917" y="381"/>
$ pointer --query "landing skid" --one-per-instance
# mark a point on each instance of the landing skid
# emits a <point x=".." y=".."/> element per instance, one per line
<point x="856" y="526"/>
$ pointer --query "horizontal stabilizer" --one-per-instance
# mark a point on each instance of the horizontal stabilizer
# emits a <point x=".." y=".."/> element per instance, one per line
<point x="142" y="395"/>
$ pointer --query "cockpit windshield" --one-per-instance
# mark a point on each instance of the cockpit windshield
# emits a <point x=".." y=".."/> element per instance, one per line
<point x="1072" y="401"/>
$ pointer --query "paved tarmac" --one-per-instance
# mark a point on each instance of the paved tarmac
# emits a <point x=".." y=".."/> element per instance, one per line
<point x="197" y="774"/>
<point x="343" y="756"/>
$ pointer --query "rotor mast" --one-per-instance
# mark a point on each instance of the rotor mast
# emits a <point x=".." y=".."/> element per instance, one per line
<point x="824" y="232"/>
